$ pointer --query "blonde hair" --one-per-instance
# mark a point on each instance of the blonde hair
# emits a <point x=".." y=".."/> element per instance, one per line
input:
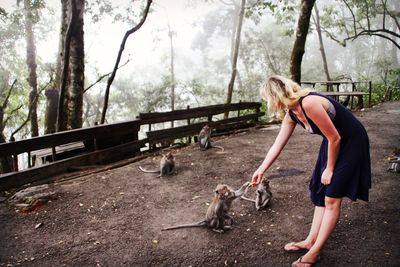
<point x="281" y="93"/>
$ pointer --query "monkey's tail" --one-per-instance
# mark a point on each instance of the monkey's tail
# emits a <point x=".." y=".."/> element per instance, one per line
<point x="220" y="148"/>
<point x="248" y="199"/>
<point x="148" y="171"/>
<point x="198" y="224"/>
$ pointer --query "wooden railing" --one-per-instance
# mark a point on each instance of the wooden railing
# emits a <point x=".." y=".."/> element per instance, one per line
<point x="335" y="90"/>
<point x="105" y="143"/>
<point x="192" y="129"/>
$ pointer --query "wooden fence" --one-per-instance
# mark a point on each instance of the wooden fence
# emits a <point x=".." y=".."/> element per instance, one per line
<point x="106" y="143"/>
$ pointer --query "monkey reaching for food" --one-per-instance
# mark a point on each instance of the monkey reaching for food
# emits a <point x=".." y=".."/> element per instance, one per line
<point x="167" y="166"/>
<point x="205" y="139"/>
<point x="217" y="216"/>
<point x="263" y="195"/>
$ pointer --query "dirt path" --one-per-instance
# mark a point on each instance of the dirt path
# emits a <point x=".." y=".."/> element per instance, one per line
<point x="114" y="218"/>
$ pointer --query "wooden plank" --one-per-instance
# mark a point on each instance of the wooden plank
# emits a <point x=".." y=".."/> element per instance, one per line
<point x="103" y="131"/>
<point x="344" y="93"/>
<point x="158" y="117"/>
<point x="328" y="82"/>
<point x="16" y="179"/>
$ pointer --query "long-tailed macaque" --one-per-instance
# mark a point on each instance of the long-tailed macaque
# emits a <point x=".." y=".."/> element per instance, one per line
<point x="167" y="166"/>
<point x="205" y="139"/>
<point x="263" y="195"/>
<point x="217" y="216"/>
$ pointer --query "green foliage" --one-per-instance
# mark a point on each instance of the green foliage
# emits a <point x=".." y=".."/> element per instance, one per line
<point x="124" y="12"/>
<point x="389" y="88"/>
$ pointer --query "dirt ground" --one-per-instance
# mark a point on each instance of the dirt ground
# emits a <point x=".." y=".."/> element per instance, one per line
<point x="113" y="218"/>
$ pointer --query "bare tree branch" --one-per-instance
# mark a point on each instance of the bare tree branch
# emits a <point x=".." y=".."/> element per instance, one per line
<point x="352" y="14"/>
<point x="122" y="47"/>
<point x="368" y="22"/>
<point x="29" y="114"/>
<point x="379" y="35"/>
<point x="103" y="76"/>
<point x="384" y="14"/>
<point x="393" y="14"/>
<point x="5" y="103"/>
<point x="9" y="116"/>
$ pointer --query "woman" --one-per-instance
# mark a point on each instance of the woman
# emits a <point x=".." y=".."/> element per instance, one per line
<point x="343" y="168"/>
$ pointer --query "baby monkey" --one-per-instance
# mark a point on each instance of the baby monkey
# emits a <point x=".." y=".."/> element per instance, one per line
<point x="205" y="139"/>
<point x="263" y="195"/>
<point x="217" y="216"/>
<point x="167" y="166"/>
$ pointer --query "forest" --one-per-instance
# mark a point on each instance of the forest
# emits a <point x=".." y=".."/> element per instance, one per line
<point x="77" y="63"/>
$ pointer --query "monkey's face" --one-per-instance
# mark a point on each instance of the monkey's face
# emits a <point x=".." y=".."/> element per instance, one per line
<point x="206" y="129"/>
<point x="223" y="192"/>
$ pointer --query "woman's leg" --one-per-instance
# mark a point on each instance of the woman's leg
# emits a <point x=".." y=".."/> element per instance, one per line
<point x="312" y="235"/>
<point x="328" y="223"/>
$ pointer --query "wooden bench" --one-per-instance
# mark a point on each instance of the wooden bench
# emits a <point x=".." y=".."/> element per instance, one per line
<point x="349" y="94"/>
<point x="358" y="95"/>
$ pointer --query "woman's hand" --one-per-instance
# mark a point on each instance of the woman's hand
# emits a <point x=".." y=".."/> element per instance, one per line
<point x="257" y="177"/>
<point x="326" y="177"/>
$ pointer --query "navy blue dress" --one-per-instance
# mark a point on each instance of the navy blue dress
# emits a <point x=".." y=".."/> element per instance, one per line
<point x="352" y="174"/>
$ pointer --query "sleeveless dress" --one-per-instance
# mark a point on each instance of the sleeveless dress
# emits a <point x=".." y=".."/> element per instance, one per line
<point x="352" y="174"/>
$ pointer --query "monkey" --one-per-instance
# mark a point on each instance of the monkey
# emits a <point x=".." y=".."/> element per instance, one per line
<point x="217" y="215"/>
<point x="205" y="139"/>
<point x="263" y="195"/>
<point x="167" y="166"/>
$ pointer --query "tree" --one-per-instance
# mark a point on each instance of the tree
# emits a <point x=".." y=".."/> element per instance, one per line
<point x="69" y="114"/>
<point x="31" y="62"/>
<point x="348" y="20"/>
<point x="238" y="31"/>
<point x="122" y="47"/>
<point x="303" y="24"/>
<point x="5" y="163"/>
<point x="77" y="70"/>
<point x="173" y="82"/>
<point x="316" y="21"/>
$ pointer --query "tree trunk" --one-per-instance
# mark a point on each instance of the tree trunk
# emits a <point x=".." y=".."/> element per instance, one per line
<point x="31" y="62"/>
<point x="394" y="50"/>
<point x="300" y="41"/>
<point x="170" y="34"/>
<point x="321" y="43"/>
<point x="62" y="77"/>
<point x="5" y="163"/>
<point x="235" y="55"/>
<point x="236" y="14"/>
<point x="77" y="70"/>
<point x="51" y="110"/>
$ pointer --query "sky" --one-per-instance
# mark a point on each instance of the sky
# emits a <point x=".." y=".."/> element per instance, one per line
<point x="144" y="48"/>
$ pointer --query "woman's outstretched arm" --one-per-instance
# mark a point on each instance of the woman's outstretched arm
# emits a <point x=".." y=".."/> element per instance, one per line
<point x="281" y="140"/>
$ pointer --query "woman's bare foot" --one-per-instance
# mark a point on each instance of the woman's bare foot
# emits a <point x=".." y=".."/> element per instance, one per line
<point x="297" y="246"/>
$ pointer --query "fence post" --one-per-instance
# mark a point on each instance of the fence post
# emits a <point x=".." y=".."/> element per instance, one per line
<point x="189" y="138"/>
<point x="14" y="157"/>
<point x="353" y="89"/>
<point x="240" y="101"/>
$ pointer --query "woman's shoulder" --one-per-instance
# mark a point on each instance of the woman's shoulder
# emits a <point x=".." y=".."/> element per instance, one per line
<point x="314" y="101"/>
